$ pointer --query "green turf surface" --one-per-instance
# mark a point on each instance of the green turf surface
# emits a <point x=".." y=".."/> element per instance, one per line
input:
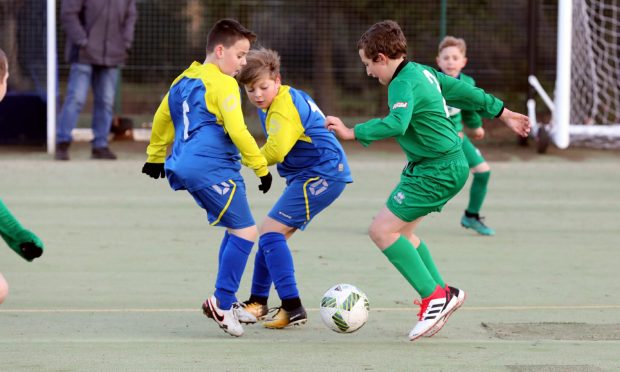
<point x="128" y="262"/>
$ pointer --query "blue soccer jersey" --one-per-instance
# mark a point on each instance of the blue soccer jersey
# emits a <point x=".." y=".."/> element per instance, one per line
<point x="201" y="117"/>
<point x="297" y="140"/>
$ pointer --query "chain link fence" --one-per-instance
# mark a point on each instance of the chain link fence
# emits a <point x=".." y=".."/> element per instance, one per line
<point x="316" y="41"/>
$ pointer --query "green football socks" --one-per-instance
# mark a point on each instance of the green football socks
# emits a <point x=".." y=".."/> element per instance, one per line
<point x="24" y="242"/>
<point x="478" y="192"/>
<point x="430" y="264"/>
<point x="406" y="259"/>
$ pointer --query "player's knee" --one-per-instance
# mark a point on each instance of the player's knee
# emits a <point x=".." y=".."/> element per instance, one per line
<point x="247" y="233"/>
<point x="4" y="289"/>
<point x="377" y="234"/>
<point x="481" y="168"/>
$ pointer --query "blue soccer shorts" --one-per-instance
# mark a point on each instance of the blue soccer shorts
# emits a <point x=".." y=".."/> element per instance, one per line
<point x="226" y="204"/>
<point x="303" y="199"/>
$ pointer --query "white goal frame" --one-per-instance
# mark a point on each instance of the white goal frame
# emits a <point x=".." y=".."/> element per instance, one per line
<point x="52" y="76"/>
<point x="561" y="129"/>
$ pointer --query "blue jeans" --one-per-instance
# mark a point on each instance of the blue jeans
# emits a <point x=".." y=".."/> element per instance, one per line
<point x="81" y="77"/>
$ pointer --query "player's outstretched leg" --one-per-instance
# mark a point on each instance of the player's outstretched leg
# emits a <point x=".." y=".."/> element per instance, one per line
<point x="459" y="296"/>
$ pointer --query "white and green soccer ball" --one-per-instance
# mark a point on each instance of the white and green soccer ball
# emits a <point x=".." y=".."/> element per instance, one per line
<point x="344" y="308"/>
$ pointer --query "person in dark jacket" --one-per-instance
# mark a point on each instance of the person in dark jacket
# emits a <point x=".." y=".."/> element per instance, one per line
<point x="99" y="34"/>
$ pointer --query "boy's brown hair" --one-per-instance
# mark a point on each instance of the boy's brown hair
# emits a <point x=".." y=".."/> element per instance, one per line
<point x="227" y="32"/>
<point x="3" y="64"/>
<point x="451" y="41"/>
<point x="384" y="37"/>
<point x="259" y="62"/>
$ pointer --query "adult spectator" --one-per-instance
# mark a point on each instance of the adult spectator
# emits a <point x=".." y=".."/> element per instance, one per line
<point x="99" y="34"/>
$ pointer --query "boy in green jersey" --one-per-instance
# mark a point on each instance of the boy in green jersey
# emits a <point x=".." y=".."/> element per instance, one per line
<point x="451" y="59"/>
<point x="437" y="168"/>
<point x="24" y="242"/>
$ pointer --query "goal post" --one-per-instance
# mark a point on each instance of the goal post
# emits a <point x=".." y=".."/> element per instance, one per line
<point x="52" y="76"/>
<point x="560" y="132"/>
<point x="587" y="89"/>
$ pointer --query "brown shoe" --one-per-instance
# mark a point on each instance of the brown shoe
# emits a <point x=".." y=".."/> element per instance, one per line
<point x="62" y="151"/>
<point x="103" y="153"/>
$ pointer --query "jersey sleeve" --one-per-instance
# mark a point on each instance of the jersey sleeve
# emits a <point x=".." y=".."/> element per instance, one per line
<point x="471" y="119"/>
<point x="284" y="129"/>
<point x="468" y="97"/>
<point x="229" y="104"/>
<point x="162" y="133"/>
<point x="400" y="101"/>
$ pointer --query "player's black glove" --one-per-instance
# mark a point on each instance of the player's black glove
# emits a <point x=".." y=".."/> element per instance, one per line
<point x="30" y="251"/>
<point x="154" y="170"/>
<point x="265" y="183"/>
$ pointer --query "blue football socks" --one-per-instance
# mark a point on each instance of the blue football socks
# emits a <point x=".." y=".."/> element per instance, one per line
<point x="222" y="249"/>
<point x="280" y="263"/>
<point x="233" y="260"/>
<point x="261" y="280"/>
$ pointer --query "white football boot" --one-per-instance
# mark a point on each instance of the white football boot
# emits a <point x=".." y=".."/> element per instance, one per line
<point x="225" y="319"/>
<point x="459" y="296"/>
<point x="432" y="309"/>
<point x="243" y="314"/>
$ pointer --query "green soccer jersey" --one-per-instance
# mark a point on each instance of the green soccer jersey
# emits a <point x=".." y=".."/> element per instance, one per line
<point x="470" y="118"/>
<point x="419" y="118"/>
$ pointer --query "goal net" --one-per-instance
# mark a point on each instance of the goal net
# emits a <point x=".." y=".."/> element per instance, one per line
<point x="593" y="111"/>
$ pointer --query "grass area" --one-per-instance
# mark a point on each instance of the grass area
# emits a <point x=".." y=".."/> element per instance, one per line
<point x="128" y="262"/>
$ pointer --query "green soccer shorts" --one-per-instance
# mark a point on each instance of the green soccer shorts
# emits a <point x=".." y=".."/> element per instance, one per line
<point x="427" y="186"/>
<point x="472" y="154"/>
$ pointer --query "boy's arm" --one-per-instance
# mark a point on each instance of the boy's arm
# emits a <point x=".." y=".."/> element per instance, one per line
<point x="162" y="134"/>
<point x="230" y="108"/>
<point x="471" y="119"/>
<point x="400" y="100"/>
<point x="468" y="97"/>
<point x="282" y="135"/>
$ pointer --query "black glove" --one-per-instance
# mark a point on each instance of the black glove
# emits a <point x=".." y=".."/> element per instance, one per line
<point x="154" y="170"/>
<point x="30" y="251"/>
<point x="265" y="183"/>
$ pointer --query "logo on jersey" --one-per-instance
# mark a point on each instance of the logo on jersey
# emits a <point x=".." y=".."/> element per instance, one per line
<point x="230" y="102"/>
<point x="399" y="105"/>
<point x="274" y="126"/>
<point x="316" y="188"/>
<point x="399" y="197"/>
<point x="222" y="188"/>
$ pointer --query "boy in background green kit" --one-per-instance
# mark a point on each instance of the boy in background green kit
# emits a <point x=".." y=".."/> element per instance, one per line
<point x="451" y="59"/>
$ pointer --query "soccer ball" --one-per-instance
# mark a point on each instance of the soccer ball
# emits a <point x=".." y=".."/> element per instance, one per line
<point x="344" y="308"/>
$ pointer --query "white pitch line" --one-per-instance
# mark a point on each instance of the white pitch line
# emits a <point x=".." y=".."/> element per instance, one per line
<point x="395" y="309"/>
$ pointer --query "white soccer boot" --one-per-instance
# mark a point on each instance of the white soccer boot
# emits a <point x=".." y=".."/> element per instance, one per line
<point x="225" y="319"/>
<point x="243" y="314"/>
<point x="458" y="296"/>
<point x="432" y="309"/>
